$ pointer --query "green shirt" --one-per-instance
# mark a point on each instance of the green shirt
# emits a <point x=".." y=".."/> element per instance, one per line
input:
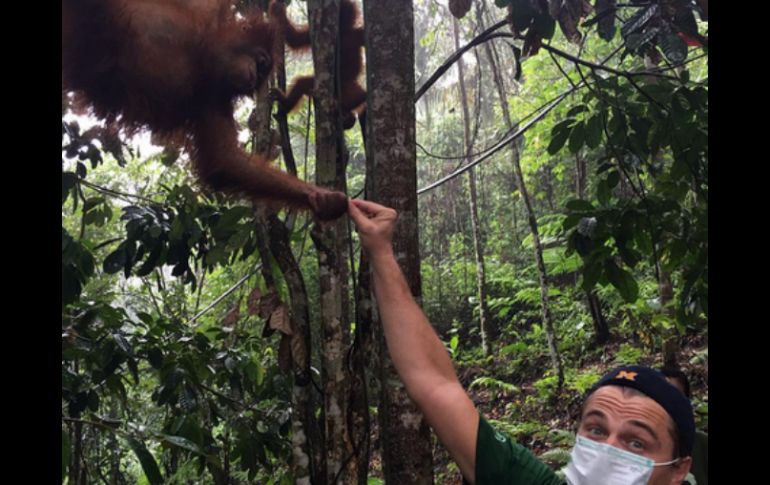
<point x="700" y="458"/>
<point x="500" y="461"/>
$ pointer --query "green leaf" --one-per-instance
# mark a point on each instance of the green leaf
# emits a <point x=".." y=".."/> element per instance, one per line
<point x="177" y="230"/>
<point x="605" y="13"/>
<point x="583" y="243"/>
<point x="522" y="14"/>
<point x="254" y="372"/>
<point x="617" y="127"/>
<point x="545" y="25"/>
<point x="571" y="221"/>
<point x="591" y="273"/>
<point x="130" y="253"/>
<point x="155" y="230"/>
<point x="603" y="192"/>
<point x="93" y="401"/>
<point x="676" y="250"/>
<point x="593" y="130"/>
<point x="133" y="368"/>
<point x="70" y="287"/>
<point x="65" y="453"/>
<point x="237" y="240"/>
<point x="577" y="110"/>
<point x="149" y="465"/>
<point x="116" y="260"/>
<point x="217" y="255"/>
<point x="92" y="202"/>
<point x="622" y="281"/>
<point x="577" y="138"/>
<point x="68" y="181"/>
<point x="580" y="205"/>
<point x="123" y="343"/>
<point x="155" y="357"/>
<point x="181" y="442"/>
<point x="559" y="135"/>
<point x="638" y="20"/>
<point x="629" y="256"/>
<point x="233" y="216"/>
<point x="152" y="260"/>
<point x="674" y="48"/>
<point x="146" y="318"/>
<point x="636" y="41"/>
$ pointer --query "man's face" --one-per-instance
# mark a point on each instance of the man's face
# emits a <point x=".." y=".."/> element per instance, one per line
<point x="634" y="423"/>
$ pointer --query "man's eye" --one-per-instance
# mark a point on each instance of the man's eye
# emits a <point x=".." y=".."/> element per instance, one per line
<point x="595" y="431"/>
<point x="636" y="445"/>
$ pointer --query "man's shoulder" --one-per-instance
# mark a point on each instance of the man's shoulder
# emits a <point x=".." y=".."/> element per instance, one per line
<point x="501" y="460"/>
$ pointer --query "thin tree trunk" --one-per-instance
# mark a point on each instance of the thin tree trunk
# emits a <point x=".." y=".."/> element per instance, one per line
<point x="364" y="362"/>
<point x="531" y="219"/>
<point x="670" y="338"/>
<point x="77" y="445"/>
<point x="307" y="440"/>
<point x="601" y="328"/>
<point x="665" y="288"/>
<point x="478" y="244"/>
<point x="580" y="176"/>
<point x="331" y="241"/>
<point x="273" y="242"/>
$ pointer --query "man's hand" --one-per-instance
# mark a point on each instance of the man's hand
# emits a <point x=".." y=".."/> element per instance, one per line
<point x="375" y="224"/>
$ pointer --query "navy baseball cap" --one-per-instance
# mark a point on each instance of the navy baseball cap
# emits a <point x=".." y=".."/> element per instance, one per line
<point x="655" y="386"/>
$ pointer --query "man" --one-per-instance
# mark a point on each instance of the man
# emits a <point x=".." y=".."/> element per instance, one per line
<point x="635" y="427"/>
<point x="700" y="450"/>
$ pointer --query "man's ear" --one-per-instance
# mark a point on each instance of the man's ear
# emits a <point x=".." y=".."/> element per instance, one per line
<point x="682" y="469"/>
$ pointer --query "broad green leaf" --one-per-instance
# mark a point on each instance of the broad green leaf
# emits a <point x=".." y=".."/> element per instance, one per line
<point x="149" y="465"/>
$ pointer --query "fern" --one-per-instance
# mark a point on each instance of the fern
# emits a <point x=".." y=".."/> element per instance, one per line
<point x="701" y="357"/>
<point x="493" y="385"/>
<point x="584" y="381"/>
<point x="562" y="437"/>
<point x="556" y="458"/>
<point x="628" y="354"/>
<point x="520" y="431"/>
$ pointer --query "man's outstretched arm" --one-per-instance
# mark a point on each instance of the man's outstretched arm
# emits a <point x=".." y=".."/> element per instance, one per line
<point x="420" y="358"/>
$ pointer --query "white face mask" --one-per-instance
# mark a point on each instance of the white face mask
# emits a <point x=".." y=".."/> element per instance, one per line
<point x="595" y="463"/>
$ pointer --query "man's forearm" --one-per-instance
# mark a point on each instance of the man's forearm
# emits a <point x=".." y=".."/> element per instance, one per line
<point x="419" y="356"/>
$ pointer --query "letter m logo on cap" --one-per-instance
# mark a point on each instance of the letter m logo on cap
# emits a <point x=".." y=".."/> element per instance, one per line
<point x="631" y="376"/>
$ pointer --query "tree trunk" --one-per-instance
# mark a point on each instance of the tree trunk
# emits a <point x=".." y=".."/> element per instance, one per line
<point x="114" y="449"/>
<point x="548" y="186"/>
<point x="364" y="362"/>
<point x="76" y="438"/>
<point x="273" y="242"/>
<point x="308" y="459"/>
<point x="390" y="149"/>
<point x="580" y="176"/>
<point x="601" y="328"/>
<point x="670" y="338"/>
<point x="331" y="241"/>
<point x="494" y="62"/>
<point x="531" y="219"/>
<point x="478" y="244"/>
<point x="665" y="288"/>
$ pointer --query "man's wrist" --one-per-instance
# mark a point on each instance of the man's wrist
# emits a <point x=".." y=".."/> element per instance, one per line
<point x="381" y="256"/>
